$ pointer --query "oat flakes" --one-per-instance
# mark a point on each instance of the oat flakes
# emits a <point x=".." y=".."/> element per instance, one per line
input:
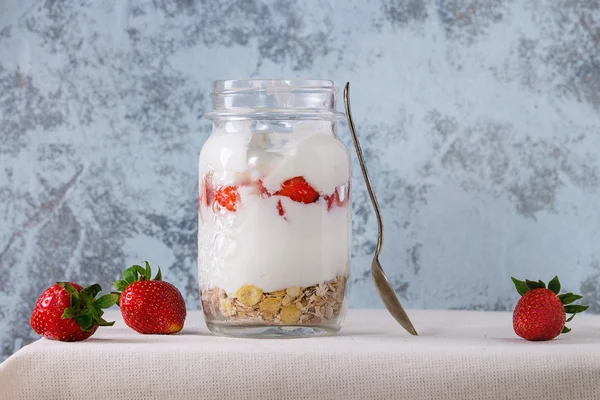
<point x="320" y="303"/>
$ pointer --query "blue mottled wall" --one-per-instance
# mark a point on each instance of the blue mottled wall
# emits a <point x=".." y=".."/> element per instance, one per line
<point x="480" y="119"/>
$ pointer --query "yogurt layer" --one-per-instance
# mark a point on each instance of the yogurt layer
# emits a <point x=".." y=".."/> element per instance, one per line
<point x="238" y="152"/>
<point x="257" y="246"/>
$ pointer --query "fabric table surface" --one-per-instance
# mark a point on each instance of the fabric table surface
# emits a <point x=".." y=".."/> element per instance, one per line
<point x="458" y="355"/>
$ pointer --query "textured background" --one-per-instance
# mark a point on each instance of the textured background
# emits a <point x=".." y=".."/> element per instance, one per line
<point x="480" y="119"/>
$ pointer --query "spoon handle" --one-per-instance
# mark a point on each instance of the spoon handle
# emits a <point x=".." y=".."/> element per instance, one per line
<point x="382" y="284"/>
<point x="363" y="167"/>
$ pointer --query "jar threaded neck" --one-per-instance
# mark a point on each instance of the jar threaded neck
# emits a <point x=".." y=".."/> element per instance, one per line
<point x="274" y="99"/>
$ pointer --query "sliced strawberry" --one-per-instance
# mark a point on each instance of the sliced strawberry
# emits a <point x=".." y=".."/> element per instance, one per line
<point x="280" y="208"/>
<point x="209" y="189"/>
<point x="299" y="190"/>
<point x="228" y="197"/>
<point x="334" y="199"/>
<point x="262" y="190"/>
<point x="341" y="203"/>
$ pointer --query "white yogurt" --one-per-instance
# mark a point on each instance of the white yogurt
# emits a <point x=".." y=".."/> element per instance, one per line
<point x="255" y="245"/>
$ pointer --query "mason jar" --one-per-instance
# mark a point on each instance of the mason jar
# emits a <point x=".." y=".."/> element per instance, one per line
<point x="274" y="210"/>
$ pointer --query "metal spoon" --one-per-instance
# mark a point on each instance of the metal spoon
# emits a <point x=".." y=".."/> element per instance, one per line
<point x="382" y="284"/>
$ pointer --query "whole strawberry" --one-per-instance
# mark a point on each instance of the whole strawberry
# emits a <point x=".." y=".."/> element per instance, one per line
<point x="69" y="313"/>
<point x="150" y="306"/>
<point x="541" y="312"/>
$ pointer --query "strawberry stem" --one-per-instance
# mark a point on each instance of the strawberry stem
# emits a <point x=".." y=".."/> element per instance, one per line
<point x="134" y="274"/>
<point x="85" y="309"/>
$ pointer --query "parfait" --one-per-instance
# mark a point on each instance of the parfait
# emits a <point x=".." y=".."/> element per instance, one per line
<point x="274" y="211"/>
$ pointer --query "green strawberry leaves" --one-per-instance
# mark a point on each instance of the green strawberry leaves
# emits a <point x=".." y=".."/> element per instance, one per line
<point x="130" y="275"/>
<point x="92" y="291"/>
<point x="524" y="287"/>
<point x="85" y="309"/>
<point x="521" y="286"/>
<point x="120" y="285"/>
<point x="107" y="301"/>
<point x="554" y="285"/>
<point x="575" y="308"/>
<point x="568" y="298"/>
<point x="134" y="274"/>
<point x="85" y="321"/>
<point x="535" y="285"/>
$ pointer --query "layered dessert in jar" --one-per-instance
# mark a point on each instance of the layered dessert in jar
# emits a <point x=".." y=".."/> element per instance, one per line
<point x="274" y="225"/>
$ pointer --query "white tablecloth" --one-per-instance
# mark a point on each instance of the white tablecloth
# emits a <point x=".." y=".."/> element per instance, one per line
<point x="459" y="355"/>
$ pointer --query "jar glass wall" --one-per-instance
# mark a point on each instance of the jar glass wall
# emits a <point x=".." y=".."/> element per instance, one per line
<point x="274" y="210"/>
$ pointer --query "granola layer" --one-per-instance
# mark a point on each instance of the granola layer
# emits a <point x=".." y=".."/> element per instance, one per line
<point x="318" y="304"/>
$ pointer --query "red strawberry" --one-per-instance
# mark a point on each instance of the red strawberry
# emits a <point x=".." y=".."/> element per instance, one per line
<point x="209" y="189"/>
<point x="227" y="197"/>
<point x="540" y="314"/>
<point x="69" y="313"/>
<point x="262" y="190"/>
<point x="280" y="208"/>
<point x="334" y="199"/>
<point x="150" y="306"/>
<point x="299" y="190"/>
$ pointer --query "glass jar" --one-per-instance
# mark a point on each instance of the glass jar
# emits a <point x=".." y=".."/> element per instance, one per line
<point x="274" y="210"/>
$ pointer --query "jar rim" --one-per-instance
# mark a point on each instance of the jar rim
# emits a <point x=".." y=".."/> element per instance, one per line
<point x="274" y="99"/>
<point x="268" y="85"/>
